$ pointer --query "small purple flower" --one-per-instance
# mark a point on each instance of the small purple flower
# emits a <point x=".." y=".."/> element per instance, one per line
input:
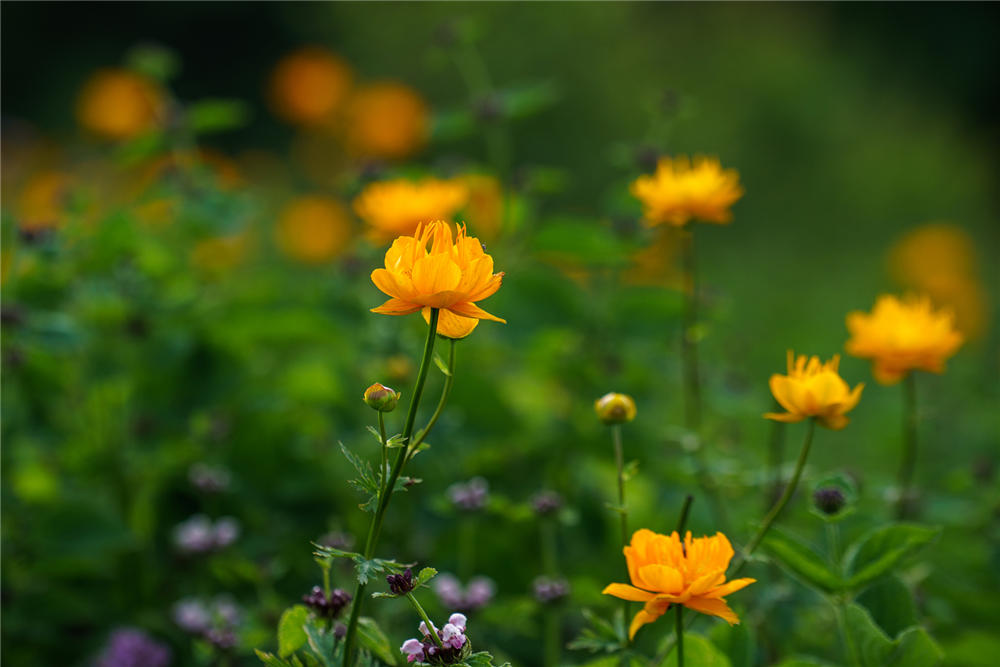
<point x="453" y="636"/>
<point x="546" y="502"/>
<point x="227" y="612"/>
<point x="458" y="620"/>
<point x="471" y="496"/>
<point x="328" y="607"/>
<point x="209" y="479"/>
<point x="550" y="589"/>
<point x="130" y="647"/>
<point x="476" y="595"/>
<point x="413" y="649"/>
<point x="195" y="535"/>
<point x="337" y="540"/>
<point x="221" y="638"/>
<point x="479" y="593"/>
<point x="192" y="616"/>
<point x="227" y="530"/>
<point x="454" y="648"/>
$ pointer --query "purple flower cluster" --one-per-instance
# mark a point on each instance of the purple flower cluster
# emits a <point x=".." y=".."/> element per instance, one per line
<point x="401" y="584"/>
<point x="454" y="644"/>
<point x="327" y="606"/>
<point x="199" y="534"/>
<point x="130" y="647"/>
<point x="337" y="540"/>
<point x="546" y="502"/>
<point x="209" y="479"/>
<point x="477" y="594"/>
<point x="470" y="496"/>
<point x="550" y="589"/>
<point x="215" y="622"/>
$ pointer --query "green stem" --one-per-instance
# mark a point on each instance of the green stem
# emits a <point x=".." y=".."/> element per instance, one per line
<point x="549" y="559"/>
<point x="909" y="460"/>
<point x="833" y="543"/>
<point x="680" y="634"/>
<point x="776" y="454"/>
<point x="785" y="497"/>
<point x="689" y="345"/>
<point x="427" y="621"/>
<point x="466" y="547"/>
<point x="551" y="637"/>
<point x="449" y="380"/>
<point x="375" y="527"/>
<point x="616" y="438"/>
<point x="384" y="470"/>
<point x="683" y="518"/>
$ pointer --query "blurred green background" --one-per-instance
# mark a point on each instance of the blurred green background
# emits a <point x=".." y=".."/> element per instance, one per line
<point x="127" y="360"/>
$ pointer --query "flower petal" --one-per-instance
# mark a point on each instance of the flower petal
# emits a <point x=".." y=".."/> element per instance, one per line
<point x="626" y="592"/>
<point x="468" y="309"/>
<point x="729" y="587"/>
<point x="451" y="325"/>
<point x="713" y="607"/>
<point x="786" y="417"/>
<point x="397" y="307"/>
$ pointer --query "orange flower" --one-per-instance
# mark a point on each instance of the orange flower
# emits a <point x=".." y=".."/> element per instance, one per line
<point x="451" y="325"/>
<point x="43" y="202"/>
<point x="814" y="389"/>
<point x="486" y="201"/>
<point x="678" y="192"/>
<point x="387" y="120"/>
<point x="450" y="275"/>
<point x="309" y="85"/>
<point x="313" y="229"/>
<point x="900" y="336"/>
<point x="664" y="572"/>
<point x="119" y="104"/>
<point x="396" y="208"/>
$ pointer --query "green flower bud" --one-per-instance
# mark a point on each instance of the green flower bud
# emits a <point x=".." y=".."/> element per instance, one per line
<point x="381" y="398"/>
<point x="615" y="408"/>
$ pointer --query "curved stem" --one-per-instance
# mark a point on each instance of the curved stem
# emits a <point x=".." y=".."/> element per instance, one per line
<point x="383" y="471"/>
<point x="909" y="461"/>
<point x="375" y="527"/>
<point x="427" y="621"/>
<point x="449" y="380"/>
<point x="785" y="497"/>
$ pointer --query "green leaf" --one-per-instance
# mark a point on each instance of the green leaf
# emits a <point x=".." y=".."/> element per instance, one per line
<point x="631" y="470"/>
<point x="374" y="432"/>
<point x="291" y="636"/>
<point x="802" y="561"/>
<point x="271" y="660"/>
<point x="891" y="604"/>
<point x="874" y="648"/>
<point x="917" y="649"/>
<point x="736" y="641"/>
<point x="442" y="366"/>
<point x="321" y="644"/>
<point x="395" y="441"/>
<point x="801" y="661"/>
<point x="371" y="637"/>
<point x="154" y="61"/>
<point x="217" y="115"/>
<point x="698" y="652"/>
<point x="880" y="551"/>
<point x="425" y="575"/>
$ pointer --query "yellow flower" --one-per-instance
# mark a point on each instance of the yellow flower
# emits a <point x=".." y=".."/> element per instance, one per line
<point x="484" y="212"/>
<point x="451" y="325"/>
<point x="313" y="229"/>
<point x="900" y="336"/>
<point x="450" y="275"/>
<point x="664" y="572"/>
<point x="309" y="85"/>
<point x="814" y="389"/>
<point x="387" y="120"/>
<point x="679" y="192"/>
<point x="43" y="202"/>
<point x="119" y="104"/>
<point x="396" y="208"/>
<point x="658" y="263"/>
<point x="615" y="408"/>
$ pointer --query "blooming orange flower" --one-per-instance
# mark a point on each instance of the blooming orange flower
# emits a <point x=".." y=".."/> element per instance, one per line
<point x="119" y="104"/>
<point x="679" y="192"/>
<point x="387" y="120"/>
<point x="309" y="86"/>
<point x="451" y="325"/>
<point x="313" y="229"/>
<point x="396" y="208"/>
<point x="900" y="336"/>
<point x="814" y="389"/>
<point x="450" y="274"/>
<point x="664" y="572"/>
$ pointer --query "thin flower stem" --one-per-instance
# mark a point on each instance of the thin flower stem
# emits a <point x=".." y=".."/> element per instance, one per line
<point x="551" y="637"/>
<point x="427" y="621"/>
<point x="616" y="438"/>
<point x="683" y="519"/>
<point x="548" y="537"/>
<point x="384" y="470"/>
<point x="909" y="461"/>
<point x="785" y="497"/>
<point x="680" y="635"/>
<point x="449" y="380"/>
<point x="776" y="454"/>
<point x="375" y="527"/>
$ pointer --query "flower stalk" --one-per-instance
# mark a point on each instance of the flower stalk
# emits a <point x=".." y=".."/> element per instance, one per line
<point x="679" y="627"/>
<point x="908" y="463"/>
<point x="425" y="619"/>
<point x="616" y="438"/>
<point x="375" y="527"/>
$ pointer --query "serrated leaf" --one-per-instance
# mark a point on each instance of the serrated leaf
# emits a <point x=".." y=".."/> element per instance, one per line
<point x="271" y="660"/>
<point x="802" y="561"/>
<point x="324" y="551"/>
<point x="425" y="575"/>
<point x="880" y="551"/>
<point x="371" y="637"/>
<point x="321" y="644"/>
<point x="291" y="636"/>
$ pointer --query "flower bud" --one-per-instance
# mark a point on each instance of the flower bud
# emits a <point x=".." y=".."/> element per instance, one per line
<point x="829" y="500"/>
<point x="381" y="398"/>
<point x="615" y="408"/>
<point x="401" y="584"/>
<point x="546" y="502"/>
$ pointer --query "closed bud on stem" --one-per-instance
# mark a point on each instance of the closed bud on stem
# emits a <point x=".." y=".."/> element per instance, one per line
<point x="401" y="584"/>
<point x="615" y="408"/>
<point x="381" y="398"/>
<point x="829" y="500"/>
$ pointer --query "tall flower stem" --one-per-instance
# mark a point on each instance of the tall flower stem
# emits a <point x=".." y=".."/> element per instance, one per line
<point x="691" y="375"/>
<point x="681" y="525"/>
<point x="909" y="460"/>
<point x="765" y="526"/>
<point x="776" y="454"/>
<point x="616" y="438"/>
<point x="424" y="618"/>
<point x="449" y="380"/>
<point x="375" y="527"/>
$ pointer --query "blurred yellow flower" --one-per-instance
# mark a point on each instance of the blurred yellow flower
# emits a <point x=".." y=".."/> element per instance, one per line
<point x="664" y="572"/>
<point x="309" y="86"/>
<point x="939" y="260"/>
<point x="396" y="208"/>
<point x="615" y="408"/>
<point x="42" y="203"/>
<point x="484" y="211"/>
<point x="658" y="263"/>
<point x="814" y="389"/>
<point x="313" y="229"/>
<point x="679" y="192"/>
<point x="119" y="104"/>
<point x="900" y="336"/>
<point x="386" y="120"/>
<point x="450" y="275"/>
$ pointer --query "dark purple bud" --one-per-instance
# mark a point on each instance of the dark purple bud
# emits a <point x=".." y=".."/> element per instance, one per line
<point x="401" y="584"/>
<point x="829" y="500"/>
<point x="548" y="590"/>
<point x="471" y="496"/>
<point x="546" y="502"/>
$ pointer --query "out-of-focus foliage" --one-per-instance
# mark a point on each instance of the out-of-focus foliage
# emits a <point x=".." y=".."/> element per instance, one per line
<point x="186" y="335"/>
